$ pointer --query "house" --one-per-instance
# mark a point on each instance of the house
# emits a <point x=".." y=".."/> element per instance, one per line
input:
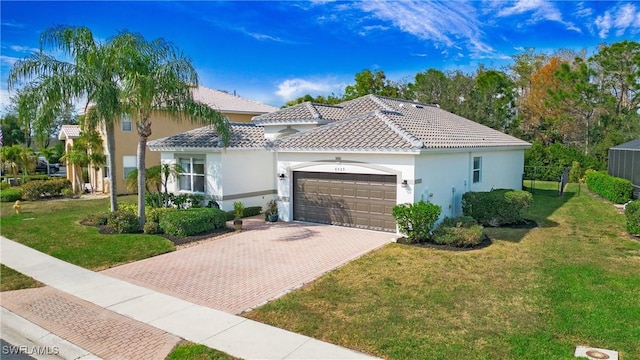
<point x="235" y="108"/>
<point x="68" y="134"/>
<point x="348" y="164"/>
<point x="624" y="162"/>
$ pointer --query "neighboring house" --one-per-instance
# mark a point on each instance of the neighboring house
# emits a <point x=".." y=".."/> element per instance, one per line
<point x="68" y="134"/>
<point x="624" y="162"/>
<point x="235" y="108"/>
<point x="349" y="164"/>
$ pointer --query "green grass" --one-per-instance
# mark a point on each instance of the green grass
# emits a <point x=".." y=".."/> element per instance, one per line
<point x="13" y="280"/>
<point x="532" y="294"/>
<point x="53" y="227"/>
<point x="191" y="351"/>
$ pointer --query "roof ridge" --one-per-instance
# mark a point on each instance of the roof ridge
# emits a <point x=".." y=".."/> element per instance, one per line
<point x="314" y="112"/>
<point x="379" y="101"/>
<point x="410" y="138"/>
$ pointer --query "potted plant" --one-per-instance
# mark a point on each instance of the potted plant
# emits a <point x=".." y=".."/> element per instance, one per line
<point x="238" y="211"/>
<point x="272" y="211"/>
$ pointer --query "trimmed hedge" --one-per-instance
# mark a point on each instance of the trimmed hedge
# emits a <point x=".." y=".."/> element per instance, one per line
<point x="123" y="222"/>
<point x="632" y="213"/>
<point x="247" y="212"/>
<point x="36" y="189"/>
<point x="497" y="207"/>
<point x="10" y="195"/>
<point x="416" y="221"/>
<point x="461" y="231"/>
<point x="612" y="188"/>
<point x="186" y="222"/>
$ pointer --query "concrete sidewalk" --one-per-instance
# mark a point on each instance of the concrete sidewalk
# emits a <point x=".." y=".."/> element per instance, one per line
<point x="232" y="334"/>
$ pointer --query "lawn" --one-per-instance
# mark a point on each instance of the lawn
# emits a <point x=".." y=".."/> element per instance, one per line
<point x="532" y="294"/>
<point x="191" y="351"/>
<point x="54" y="228"/>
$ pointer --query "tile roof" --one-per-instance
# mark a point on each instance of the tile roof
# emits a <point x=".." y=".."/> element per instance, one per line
<point x="375" y="122"/>
<point x="631" y="145"/>
<point x="69" y="132"/>
<point x="225" y="102"/>
<point x="304" y="113"/>
<point x="243" y="136"/>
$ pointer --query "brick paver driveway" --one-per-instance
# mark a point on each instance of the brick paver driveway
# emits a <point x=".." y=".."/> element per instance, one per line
<point x="244" y="270"/>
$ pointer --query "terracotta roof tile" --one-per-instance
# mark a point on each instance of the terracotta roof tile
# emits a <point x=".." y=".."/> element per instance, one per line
<point x="242" y="136"/>
<point x="225" y="102"/>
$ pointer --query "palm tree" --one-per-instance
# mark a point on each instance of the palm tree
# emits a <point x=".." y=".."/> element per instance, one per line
<point x="158" y="77"/>
<point x="11" y="158"/>
<point x="91" y="75"/>
<point x="77" y="158"/>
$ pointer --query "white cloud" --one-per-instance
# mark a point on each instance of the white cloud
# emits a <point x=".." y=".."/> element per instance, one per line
<point x="541" y="10"/>
<point x="8" y="60"/>
<point x="447" y="24"/>
<point x="369" y="28"/>
<point x="27" y="49"/>
<point x="292" y="88"/>
<point x="623" y="18"/>
<point x="5" y="101"/>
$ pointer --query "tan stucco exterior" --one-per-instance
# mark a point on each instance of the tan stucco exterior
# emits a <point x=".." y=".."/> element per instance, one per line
<point x="163" y="125"/>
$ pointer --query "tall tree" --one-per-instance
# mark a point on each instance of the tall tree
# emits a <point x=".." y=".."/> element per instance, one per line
<point x="618" y="72"/>
<point x="430" y="87"/>
<point x="368" y="82"/>
<point x="91" y="74"/>
<point x="12" y="134"/>
<point x="493" y="100"/>
<point x="157" y="77"/>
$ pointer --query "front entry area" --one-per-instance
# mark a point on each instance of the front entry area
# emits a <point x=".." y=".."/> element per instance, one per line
<point x="354" y="200"/>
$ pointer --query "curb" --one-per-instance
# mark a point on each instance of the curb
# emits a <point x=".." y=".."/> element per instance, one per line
<point x="44" y="344"/>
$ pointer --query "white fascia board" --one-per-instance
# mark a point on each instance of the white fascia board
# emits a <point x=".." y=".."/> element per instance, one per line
<point x="474" y="149"/>
<point x="350" y="151"/>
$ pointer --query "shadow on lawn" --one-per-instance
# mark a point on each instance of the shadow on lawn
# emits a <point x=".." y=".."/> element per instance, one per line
<point x="545" y="203"/>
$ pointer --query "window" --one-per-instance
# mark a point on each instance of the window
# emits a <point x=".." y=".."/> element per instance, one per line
<point x="105" y="170"/>
<point x="129" y="163"/>
<point x="127" y="124"/>
<point x="477" y="169"/>
<point x="192" y="179"/>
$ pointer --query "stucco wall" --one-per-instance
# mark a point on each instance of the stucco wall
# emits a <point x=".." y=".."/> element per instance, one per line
<point x="445" y="177"/>
<point x="163" y="125"/>
<point x="234" y="175"/>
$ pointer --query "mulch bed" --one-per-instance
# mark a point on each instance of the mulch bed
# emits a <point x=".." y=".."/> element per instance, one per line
<point x="179" y="242"/>
<point x="525" y="224"/>
<point x="483" y="244"/>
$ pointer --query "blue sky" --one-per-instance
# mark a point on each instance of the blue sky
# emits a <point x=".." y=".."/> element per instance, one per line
<point x="275" y="51"/>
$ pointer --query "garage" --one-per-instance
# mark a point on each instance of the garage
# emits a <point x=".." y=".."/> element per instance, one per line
<point x="354" y="200"/>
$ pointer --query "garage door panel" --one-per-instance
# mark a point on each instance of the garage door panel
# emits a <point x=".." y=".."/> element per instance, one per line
<point x="355" y="200"/>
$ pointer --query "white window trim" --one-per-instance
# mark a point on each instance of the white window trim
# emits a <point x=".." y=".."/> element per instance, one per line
<point x="126" y="118"/>
<point x="474" y="169"/>
<point x="192" y="175"/>
<point x="125" y="163"/>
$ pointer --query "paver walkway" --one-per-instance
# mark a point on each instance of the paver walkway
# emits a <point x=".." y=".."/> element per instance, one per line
<point x="244" y="270"/>
<point x="102" y="332"/>
<point x="235" y="335"/>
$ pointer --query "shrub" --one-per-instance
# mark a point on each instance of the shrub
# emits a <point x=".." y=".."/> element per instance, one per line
<point x="416" y="221"/>
<point x="153" y="214"/>
<point x="36" y="189"/>
<point x="68" y="193"/>
<point x="238" y="210"/>
<point x="10" y="195"/>
<point x="4" y="185"/>
<point x="612" y="188"/>
<point x="152" y="227"/>
<point x="98" y="218"/>
<point x="576" y="172"/>
<point x="123" y="221"/>
<point x="461" y="231"/>
<point x="497" y="207"/>
<point x="188" y="222"/>
<point x="632" y="213"/>
<point x="246" y="212"/>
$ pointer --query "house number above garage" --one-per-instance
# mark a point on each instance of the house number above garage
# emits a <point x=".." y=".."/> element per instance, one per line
<point x="339" y="169"/>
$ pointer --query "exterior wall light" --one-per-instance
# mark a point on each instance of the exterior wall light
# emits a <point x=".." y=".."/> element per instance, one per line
<point x="281" y="176"/>
<point x="405" y="183"/>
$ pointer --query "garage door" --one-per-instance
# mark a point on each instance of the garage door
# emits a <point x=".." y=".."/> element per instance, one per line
<point x="355" y="200"/>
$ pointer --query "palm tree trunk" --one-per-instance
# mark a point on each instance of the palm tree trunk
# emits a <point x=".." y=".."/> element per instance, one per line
<point x="144" y="131"/>
<point x="111" y="149"/>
